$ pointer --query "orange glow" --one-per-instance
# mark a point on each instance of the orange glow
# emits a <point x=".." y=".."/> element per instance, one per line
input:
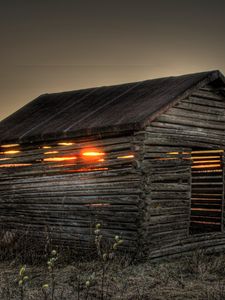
<point x="6" y="158"/>
<point x="66" y="144"/>
<point x="11" y="152"/>
<point x="51" y="152"/>
<point x="205" y="157"/>
<point x="177" y="153"/>
<point x="46" y="147"/>
<point x="55" y="159"/>
<point x="14" y="165"/>
<point x="172" y="152"/>
<point x="92" y="154"/>
<point x="206" y="166"/>
<point x="208" y="151"/>
<point x="126" y="156"/>
<point x="9" y="145"/>
<point x="205" y="209"/>
<point x="101" y="159"/>
<point x="206" y="161"/>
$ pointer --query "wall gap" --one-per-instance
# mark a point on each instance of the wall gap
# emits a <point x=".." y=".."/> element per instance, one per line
<point x="207" y="191"/>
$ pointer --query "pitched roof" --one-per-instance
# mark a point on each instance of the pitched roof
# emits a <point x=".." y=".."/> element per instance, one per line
<point x="96" y="110"/>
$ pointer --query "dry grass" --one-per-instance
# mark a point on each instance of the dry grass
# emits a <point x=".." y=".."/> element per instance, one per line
<point x="198" y="276"/>
<point x="66" y="275"/>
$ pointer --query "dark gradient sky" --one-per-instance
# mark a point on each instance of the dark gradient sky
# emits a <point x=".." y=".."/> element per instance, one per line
<point x="57" y="45"/>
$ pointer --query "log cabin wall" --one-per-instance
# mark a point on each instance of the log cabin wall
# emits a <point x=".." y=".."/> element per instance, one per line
<point x="137" y="178"/>
<point x="66" y="187"/>
<point x="197" y="122"/>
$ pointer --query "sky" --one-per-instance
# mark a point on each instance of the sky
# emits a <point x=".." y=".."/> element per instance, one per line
<point x="58" y="45"/>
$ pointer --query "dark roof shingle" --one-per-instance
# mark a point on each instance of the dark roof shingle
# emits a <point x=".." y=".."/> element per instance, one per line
<point x="95" y="110"/>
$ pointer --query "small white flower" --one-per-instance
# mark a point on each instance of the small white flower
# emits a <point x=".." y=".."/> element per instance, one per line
<point x="98" y="226"/>
<point x="54" y="252"/>
<point x="87" y="283"/>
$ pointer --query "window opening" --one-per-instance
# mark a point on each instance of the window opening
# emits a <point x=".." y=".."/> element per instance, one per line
<point x="207" y="191"/>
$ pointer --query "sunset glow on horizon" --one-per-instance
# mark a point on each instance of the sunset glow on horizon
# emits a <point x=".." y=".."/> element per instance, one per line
<point x="82" y="44"/>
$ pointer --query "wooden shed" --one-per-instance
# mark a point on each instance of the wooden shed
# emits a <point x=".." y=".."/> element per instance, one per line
<point x="144" y="159"/>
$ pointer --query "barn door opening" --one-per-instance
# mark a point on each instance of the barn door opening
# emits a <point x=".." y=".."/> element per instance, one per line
<point x="207" y="191"/>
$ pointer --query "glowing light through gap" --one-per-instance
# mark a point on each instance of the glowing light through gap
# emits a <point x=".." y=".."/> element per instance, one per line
<point x="14" y="165"/>
<point x="11" y="152"/>
<point x="206" y="166"/>
<point x="126" y="156"/>
<point x="206" y="161"/>
<point x="10" y="145"/>
<point x="46" y="147"/>
<point x="51" y="152"/>
<point x="55" y="159"/>
<point x="202" y="211"/>
<point x="205" y="157"/>
<point x="6" y="158"/>
<point x="92" y="153"/>
<point x="65" y="144"/>
<point x="175" y="153"/>
<point x="208" y="151"/>
<point x="205" y="209"/>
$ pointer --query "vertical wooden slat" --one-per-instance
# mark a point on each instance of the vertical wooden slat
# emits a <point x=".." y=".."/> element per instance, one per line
<point x="207" y="191"/>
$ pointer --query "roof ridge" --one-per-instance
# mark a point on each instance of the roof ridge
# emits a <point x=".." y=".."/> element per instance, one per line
<point x="130" y="82"/>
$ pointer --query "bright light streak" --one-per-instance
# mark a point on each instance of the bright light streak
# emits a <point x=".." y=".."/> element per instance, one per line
<point x="14" y="165"/>
<point x="55" y="159"/>
<point x="206" y="166"/>
<point x="51" y="152"/>
<point x="208" y="151"/>
<point x="66" y="144"/>
<point x="126" y="156"/>
<point x="9" y="145"/>
<point x="11" y="152"/>
<point x="93" y="153"/>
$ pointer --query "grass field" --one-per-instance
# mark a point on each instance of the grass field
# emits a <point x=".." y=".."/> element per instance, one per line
<point x="198" y="276"/>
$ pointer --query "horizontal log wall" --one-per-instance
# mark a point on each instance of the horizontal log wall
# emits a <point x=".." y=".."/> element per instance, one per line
<point x="140" y="188"/>
<point x="197" y="122"/>
<point x="68" y="197"/>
